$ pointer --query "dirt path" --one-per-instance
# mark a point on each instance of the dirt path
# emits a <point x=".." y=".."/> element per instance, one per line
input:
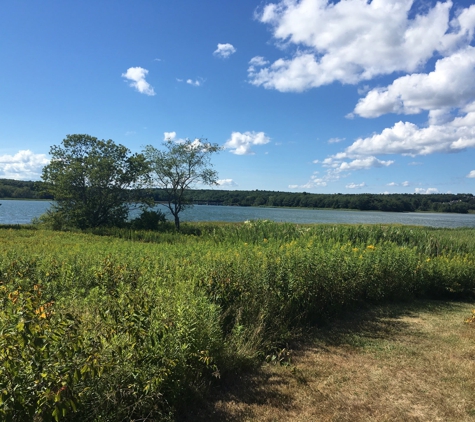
<point x="405" y="362"/>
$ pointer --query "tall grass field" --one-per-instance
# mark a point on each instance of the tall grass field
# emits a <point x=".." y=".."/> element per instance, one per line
<point x="115" y="325"/>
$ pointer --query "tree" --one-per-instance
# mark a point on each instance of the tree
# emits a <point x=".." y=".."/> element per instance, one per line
<point x="93" y="181"/>
<point x="179" y="167"/>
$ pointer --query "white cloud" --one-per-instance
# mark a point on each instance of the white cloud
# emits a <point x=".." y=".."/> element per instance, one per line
<point x="241" y="143"/>
<point x="137" y="76"/>
<point x="24" y="165"/>
<point x="355" y="186"/>
<point x="409" y="139"/>
<point x="393" y="184"/>
<point x="339" y="165"/>
<point x="426" y="191"/>
<point x="227" y="183"/>
<point x="193" y="83"/>
<point x="257" y="61"/>
<point x="451" y="84"/>
<point x="169" y="136"/>
<point x="335" y="140"/>
<point x="355" y="40"/>
<point x="315" y="181"/>
<point x="406" y="183"/>
<point x="224" y="50"/>
<point x="471" y="175"/>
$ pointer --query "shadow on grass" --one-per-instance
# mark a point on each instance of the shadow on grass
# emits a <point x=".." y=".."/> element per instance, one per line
<point x="350" y="330"/>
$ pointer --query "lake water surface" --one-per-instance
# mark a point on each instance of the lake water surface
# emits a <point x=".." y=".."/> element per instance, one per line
<point x="22" y="212"/>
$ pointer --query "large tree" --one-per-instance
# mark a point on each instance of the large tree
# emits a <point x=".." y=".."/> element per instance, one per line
<point x="180" y="166"/>
<point x="93" y="181"/>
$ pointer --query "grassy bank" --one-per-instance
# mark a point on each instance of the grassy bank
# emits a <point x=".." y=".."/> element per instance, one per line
<point x="120" y="324"/>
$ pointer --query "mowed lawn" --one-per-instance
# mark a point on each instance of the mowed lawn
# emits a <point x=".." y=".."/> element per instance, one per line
<point x="395" y="362"/>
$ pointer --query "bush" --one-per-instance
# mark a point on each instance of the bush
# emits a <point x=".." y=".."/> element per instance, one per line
<point x="149" y="220"/>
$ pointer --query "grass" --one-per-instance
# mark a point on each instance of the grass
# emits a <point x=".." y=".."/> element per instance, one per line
<point x="396" y="362"/>
<point x="119" y="324"/>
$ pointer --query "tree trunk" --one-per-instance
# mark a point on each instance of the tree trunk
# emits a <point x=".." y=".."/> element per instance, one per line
<point x="177" y="222"/>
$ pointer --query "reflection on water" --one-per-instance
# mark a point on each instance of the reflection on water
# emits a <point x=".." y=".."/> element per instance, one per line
<point x="22" y="212"/>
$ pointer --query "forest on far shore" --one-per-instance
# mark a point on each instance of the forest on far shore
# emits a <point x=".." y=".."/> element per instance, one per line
<point x="397" y="202"/>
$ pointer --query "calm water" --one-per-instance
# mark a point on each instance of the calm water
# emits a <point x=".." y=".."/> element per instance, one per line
<point x="22" y="212"/>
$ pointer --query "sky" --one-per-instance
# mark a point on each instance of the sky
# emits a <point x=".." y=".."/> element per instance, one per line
<point x="349" y="96"/>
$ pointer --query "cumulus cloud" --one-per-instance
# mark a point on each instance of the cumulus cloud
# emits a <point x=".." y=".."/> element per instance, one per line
<point x="169" y="136"/>
<point x="241" y="143"/>
<point x="471" y="175"/>
<point x="409" y="139"/>
<point x="24" y="165"/>
<point x="451" y="84"/>
<point x="426" y="191"/>
<point x="137" y="77"/>
<point x="224" y="50"/>
<point x="355" y="185"/>
<point x="338" y="165"/>
<point x="354" y="40"/>
<point x="227" y="183"/>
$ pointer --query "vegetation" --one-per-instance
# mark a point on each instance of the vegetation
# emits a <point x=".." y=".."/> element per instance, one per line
<point x="395" y="362"/>
<point x="119" y="324"/>
<point x="179" y="167"/>
<point x="91" y="182"/>
<point x="457" y="203"/>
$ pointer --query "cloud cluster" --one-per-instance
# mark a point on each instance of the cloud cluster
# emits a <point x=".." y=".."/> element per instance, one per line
<point x="355" y="40"/>
<point x="241" y="143"/>
<point x="224" y="50"/>
<point x="137" y="77"/>
<point x="24" y="165"/>
<point x="355" y="185"/>
<point x="450" y="85"/>
<point x="228" y="183"/>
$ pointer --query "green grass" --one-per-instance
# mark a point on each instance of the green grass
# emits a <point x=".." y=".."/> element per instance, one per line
<point x="155" y="317"/>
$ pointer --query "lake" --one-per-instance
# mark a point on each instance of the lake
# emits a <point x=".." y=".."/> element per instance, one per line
<point x="22" y="212"/>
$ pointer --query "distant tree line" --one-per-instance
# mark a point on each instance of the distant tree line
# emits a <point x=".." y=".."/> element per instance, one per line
<point x="19" y="189"/>
<point x="441" y="202"/>
<point x="458" y="203"/>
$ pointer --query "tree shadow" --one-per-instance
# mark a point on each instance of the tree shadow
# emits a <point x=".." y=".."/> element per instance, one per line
<point x="350" y="329"/>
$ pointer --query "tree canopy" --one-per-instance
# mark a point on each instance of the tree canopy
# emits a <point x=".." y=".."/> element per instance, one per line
<point x="179" y="167"/>
<point x="93" y="181"/>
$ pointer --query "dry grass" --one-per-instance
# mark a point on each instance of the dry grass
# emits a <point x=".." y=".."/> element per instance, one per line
<point x="409" y="362"/>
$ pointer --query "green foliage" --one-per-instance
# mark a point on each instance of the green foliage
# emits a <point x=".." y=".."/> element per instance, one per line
<point x="91" y="182"/>
<point x="149" y="220"/>
<point x="178" y="168"/>
<point x="45" y="359"/>
<point x="158" y="316"/>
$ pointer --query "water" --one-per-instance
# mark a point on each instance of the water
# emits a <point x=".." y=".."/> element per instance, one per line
<point x="22" y="212"/>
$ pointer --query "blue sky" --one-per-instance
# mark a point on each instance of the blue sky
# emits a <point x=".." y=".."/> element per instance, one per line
<point x="313" y="95"/>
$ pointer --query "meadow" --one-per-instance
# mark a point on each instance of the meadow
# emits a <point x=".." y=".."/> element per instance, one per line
<point x="116" y="324"/>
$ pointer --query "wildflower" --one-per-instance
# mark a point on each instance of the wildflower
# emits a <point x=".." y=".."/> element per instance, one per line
<point x="372" y="247"/>
<point x="265" y="240"/>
